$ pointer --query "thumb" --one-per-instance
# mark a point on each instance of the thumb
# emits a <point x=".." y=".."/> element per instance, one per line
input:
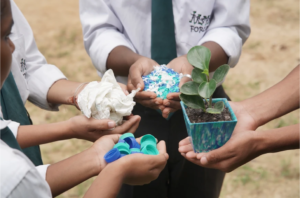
<point x="135" y="78"/>
<point x="183" y="80"/>
<point x="213" y="157"/>
<point x="105" y="124"/>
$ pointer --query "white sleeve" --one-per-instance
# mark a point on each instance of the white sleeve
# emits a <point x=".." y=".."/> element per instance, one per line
<point x="42" y="169"/>
<point x="40" y="75"/>
<point x="14" y="127"/>
<point x="229" y="27"/>
<point x="31" y="186"/>
<point x="102" y="31"/>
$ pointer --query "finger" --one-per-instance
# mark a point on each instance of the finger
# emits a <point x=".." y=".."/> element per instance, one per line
<point x="161" y="147"/>
<point x="153" y="103"/>
<point x="105" y="124"/>
<point x="185" y="141"/>
<point x="167" y="111"/>
<point x="173" y="96"/>
<point x="193" y="160"/>
<point x="185" y="148"/>
<point x="214" y="157"/>
<point x="144" y="95"/>
<point x="184" y="80"/>
<point x="172" y="104"/>
<point x="128" y="126"/>
<point x="191" y="154"/>
<point x="135" y="75"/>
<point x="114" y="137"/>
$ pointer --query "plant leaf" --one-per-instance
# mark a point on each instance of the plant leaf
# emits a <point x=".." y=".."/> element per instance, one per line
<point x="195" y="102"/>
<point x="213" y="111"/>
<point x="219" y="105"/>
<point x="206" y="89"/>
<point x="189" y="88"/>
<point x="220" y="73"/>
<point x="198" y="76"/>
<point x="199" y="56"/>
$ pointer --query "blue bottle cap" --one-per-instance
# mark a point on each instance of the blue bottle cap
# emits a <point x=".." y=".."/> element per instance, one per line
<point x="135" y="150"/>
<point x="136" y="145"/>
<point x="112" y="155"/>
<point x="121" y="140"/>
<point x="132" y="142"/>
<point x="125" y="135"/>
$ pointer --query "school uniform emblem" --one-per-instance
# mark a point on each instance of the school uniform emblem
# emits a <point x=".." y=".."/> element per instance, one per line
<point x="199" y="23"/>
<point x="23" y="66"/>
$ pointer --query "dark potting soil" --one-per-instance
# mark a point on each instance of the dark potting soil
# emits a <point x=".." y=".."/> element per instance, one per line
<point x="198" y="115"/>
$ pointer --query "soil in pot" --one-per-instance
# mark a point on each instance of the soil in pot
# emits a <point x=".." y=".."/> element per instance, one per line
<point x="198" y="115"/>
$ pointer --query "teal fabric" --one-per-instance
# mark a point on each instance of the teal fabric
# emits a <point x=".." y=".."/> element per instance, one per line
<point x="8" y="137"/>
<point x="163" y="43"/>
<point x="13" y="109"/>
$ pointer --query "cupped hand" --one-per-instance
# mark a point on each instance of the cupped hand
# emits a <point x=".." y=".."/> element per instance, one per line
<point x="239" y="149"/>
<point x="143" y="66"/>
<point x="92" y="129"/>
<point x="180" y="65"/>
<point x="140" y="169"/>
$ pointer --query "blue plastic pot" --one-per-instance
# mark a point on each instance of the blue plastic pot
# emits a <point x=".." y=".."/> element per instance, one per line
<point x="208" y="136"/>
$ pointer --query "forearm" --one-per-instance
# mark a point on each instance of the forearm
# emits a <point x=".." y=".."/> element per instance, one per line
<point x="120" y="59"/>
<point x="279" y="100"/>
<point x="31" y="135"/>
<point x="280" y="139"/>
<point x="107" y="184"/>
<point x="63" y="91"/>
<point x="218" y="55"/>
<point x="70" y="172"/>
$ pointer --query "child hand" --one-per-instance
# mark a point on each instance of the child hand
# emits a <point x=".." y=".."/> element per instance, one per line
<point x="92" y="129"/>
<point x="141" y="67"/>
<point x="140" y="169"/>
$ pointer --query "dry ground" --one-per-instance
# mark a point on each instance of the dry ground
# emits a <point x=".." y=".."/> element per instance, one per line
<point x="270" y="53"/>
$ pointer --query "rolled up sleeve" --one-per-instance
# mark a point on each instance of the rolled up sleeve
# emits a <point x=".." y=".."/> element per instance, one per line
<point x="102" y="31"/>
<point x="229" y="27"/>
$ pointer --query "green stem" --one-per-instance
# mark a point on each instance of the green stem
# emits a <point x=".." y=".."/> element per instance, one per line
<point x="210" y="101"/>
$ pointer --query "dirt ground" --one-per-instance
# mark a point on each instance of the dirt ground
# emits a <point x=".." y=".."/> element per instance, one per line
<point x="270" y="53"/>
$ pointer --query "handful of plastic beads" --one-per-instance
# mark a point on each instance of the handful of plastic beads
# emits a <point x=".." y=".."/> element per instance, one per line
<point x="162" y="80"/>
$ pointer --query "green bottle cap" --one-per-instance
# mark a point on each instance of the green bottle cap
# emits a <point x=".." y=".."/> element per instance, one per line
<point x="126" y="135"/>
<point x="148" y="139"/>
<point x="150" y="150"/>
<point x="124" y="147"/>
<point x="124" y="151"/>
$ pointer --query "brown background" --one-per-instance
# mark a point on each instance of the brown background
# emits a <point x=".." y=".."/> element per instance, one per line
<point x="270" y="53"/>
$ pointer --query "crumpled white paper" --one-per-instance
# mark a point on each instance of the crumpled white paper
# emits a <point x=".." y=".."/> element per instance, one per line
<point x="106" y="99"/>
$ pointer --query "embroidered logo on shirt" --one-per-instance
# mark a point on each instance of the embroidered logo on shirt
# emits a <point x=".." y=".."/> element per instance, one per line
<point x="23" y="66"/>
<point x="199" y="23"/>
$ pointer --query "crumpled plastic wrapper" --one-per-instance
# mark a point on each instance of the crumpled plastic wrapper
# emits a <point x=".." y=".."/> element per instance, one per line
<point x="162" y="81"/>
<point x="106" y="99"/>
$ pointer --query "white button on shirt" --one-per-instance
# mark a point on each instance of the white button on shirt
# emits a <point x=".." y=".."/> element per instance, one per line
<point x="19" y="177"/>
<point x="108" y="23"/>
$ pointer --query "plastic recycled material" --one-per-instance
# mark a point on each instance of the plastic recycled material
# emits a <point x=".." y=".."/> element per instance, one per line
<point x="125" y="135"/>
<point x="112" y="155"/>
<point x="162" y="81"/>
<point x="148" y="140"/>
<point x="150" y="150"/>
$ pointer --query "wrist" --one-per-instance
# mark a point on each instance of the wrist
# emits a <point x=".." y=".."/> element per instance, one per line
<point x="96" y="166"/>
<point x="261" y="142"/>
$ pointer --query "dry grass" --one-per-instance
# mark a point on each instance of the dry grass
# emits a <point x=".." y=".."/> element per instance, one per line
<point x="271" y="52"/>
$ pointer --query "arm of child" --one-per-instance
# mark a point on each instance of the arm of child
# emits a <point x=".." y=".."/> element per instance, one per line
<point x="277" y="101"/>
<point x="77" y="127"/>
<point x="136" y="169"/>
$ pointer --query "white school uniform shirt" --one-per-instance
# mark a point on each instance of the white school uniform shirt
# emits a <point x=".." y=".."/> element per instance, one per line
<point x="18" y="176"/>
<point x="33" y="75"/>
<point x="107" y="24"/>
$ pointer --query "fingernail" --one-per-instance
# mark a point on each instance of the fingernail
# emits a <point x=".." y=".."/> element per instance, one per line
<point x="111" y="124"/>
<point x="203" y="160"/>
<point x="139" y="85"/>
<point x="157" y="102"/>
<point x="127" y="92"/>
<point x="167" y="103"/>
<point x="152" y="97"/>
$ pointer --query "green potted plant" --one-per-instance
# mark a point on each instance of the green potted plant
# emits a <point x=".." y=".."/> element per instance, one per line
<point x="210" y="122"/>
